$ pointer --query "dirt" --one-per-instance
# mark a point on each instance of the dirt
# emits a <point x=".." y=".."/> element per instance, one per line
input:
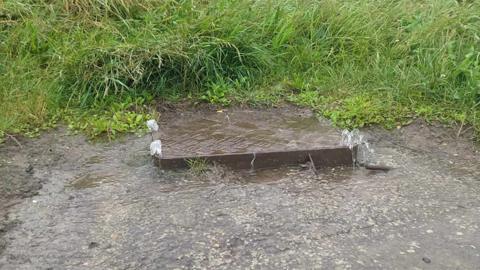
<point x="67" y="203"/>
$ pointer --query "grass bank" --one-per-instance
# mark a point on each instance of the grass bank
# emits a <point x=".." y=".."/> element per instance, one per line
<point x="98" y="63"/>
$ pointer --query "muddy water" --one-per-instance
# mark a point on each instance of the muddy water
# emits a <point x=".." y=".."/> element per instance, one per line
<point x="105" y="206"/>
<point x="240" y="131"/>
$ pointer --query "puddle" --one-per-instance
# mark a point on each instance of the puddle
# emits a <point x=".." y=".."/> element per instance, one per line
<point x="94" y="160"/>
<point x="137" y="158"/>
<point x="91" y="180"/>
<point x="246" y="125"/>
<point x="137" y="215"/>
<point x="245" y="131"/>
<point x="267" y="175"/>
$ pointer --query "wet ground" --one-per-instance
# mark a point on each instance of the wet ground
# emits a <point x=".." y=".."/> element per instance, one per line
<point x="70" y="204"/>
<point x="243" y="131"/>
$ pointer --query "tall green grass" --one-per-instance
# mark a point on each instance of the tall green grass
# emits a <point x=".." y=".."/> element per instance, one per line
<point x="357" y="62"/>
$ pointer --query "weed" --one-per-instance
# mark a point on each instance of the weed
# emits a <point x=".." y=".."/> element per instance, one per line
<point x="217" y="94"/>
<point x="197" y="166"/>
<point x="126" y="117"/>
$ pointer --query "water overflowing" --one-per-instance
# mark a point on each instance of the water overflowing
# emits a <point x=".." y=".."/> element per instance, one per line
<point x="355" y="138"/>
<point x="241" y="131"/>
<point x="106" y="206"/>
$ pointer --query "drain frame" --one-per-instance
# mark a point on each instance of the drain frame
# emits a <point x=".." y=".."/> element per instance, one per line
<point x="322" y="157"/>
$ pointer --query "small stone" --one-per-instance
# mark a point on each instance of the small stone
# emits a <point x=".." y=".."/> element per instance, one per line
<point x="29" y="169"/>
<point x="459" y="233"/>
<point x="93" y="245"/>
<point x="429" y="231"/>
<point x="410" y="250"/>
<point x="34" y="201"/>
<point x="426" y="260"/>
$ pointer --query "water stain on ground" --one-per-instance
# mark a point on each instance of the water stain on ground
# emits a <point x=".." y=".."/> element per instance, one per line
<point x="106" y="206"/>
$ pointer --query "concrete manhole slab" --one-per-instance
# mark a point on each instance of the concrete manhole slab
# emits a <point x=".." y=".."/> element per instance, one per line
<point x="244" y="139"/>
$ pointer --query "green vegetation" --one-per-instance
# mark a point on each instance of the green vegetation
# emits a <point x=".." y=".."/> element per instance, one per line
<point x="125" y="117"/>
<point x="356" y="62"/>
<point x="197" y="166"/>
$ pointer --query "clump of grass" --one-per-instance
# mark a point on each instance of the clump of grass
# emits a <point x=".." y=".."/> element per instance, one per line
<point x="197" y="166"/>
<point x="104" y="8"/>
<point x="356" y="62"/>
<point x="120" y="118"/>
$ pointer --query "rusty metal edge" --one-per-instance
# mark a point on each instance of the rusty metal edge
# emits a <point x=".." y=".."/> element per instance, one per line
<point x="322" y="157"/>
